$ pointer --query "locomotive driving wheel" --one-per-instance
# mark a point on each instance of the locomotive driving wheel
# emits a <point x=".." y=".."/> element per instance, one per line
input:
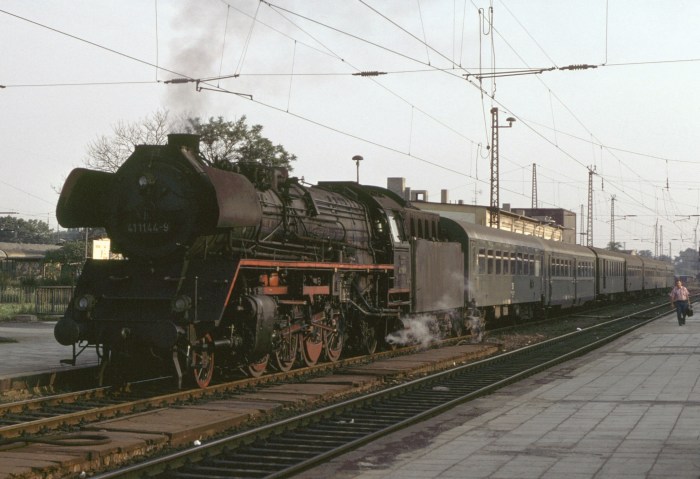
<point x="311" y="344"/>
<point x="333" y="339"/>
<point x="286" y="353"/>
<point x="203" y="364"/>
<point x="257" y="368"/>
<point x="368" y="337"/>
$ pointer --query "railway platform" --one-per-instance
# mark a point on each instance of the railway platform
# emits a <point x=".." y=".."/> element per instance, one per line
<point x="628" y="410"/>
<point x="31" y="355"/>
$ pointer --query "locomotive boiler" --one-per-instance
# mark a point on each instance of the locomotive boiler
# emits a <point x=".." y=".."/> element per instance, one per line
<point x="249" y="267"/>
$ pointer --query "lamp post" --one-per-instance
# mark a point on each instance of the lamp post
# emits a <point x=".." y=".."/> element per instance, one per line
<point x="357" y="159"/>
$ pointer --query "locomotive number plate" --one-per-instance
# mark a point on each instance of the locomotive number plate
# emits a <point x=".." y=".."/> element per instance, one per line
<point x="148" y="227"/>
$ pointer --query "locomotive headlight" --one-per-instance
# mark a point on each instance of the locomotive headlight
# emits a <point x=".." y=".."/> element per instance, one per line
<point x="181" y="304"/>
<point x="146" y="180"/>
<point x="85" y="302"/>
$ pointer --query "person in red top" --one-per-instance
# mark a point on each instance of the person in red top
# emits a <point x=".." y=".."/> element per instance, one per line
<point x="679" y="300"/>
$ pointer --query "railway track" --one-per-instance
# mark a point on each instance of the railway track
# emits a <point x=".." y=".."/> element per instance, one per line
<point x="46" y="414"/>
<point x="292" y="445"/>
<point x="57" y="412"/>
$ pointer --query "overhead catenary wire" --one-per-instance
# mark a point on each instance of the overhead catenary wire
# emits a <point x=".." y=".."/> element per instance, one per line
<point x="157" y="64"/>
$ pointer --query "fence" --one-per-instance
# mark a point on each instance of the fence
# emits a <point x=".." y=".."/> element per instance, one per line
<point x="46" y="299"/>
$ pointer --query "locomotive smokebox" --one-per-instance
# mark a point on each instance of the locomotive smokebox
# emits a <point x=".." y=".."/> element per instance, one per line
<point x="184" y="139"/>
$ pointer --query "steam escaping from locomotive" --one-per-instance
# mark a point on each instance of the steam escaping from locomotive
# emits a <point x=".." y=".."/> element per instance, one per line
<point x="421" y="330"/>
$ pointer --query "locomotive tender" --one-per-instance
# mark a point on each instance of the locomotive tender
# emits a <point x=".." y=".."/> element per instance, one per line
<point x="256" y="269"/>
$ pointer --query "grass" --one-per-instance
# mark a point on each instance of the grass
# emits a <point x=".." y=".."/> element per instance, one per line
<point x="10" y="310"/>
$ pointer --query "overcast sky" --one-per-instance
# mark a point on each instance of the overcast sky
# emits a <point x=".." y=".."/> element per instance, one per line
<point x="72" y="70"/>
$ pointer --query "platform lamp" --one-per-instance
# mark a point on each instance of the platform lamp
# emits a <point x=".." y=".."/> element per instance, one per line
<point x="357" y="159"/>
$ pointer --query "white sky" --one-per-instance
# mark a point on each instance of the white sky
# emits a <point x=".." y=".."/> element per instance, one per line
<point x="634" y="118"/>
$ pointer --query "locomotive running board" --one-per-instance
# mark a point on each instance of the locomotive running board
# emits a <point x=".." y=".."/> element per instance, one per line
<point x="317" y="265"/>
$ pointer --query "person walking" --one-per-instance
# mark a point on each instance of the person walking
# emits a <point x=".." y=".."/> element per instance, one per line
<point x="679" y="300"/>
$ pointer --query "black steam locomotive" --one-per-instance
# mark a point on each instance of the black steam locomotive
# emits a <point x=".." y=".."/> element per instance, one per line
<point x="251" y="267"/>
<point x="258" y="270"/>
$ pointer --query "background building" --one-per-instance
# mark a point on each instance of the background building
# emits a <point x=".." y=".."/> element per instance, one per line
<point x="551" y="223"/>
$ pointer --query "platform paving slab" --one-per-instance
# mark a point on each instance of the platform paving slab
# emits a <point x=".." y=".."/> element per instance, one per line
<point x="627" y="410"/>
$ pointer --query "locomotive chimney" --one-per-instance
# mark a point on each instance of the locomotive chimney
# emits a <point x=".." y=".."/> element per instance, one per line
<point x="184" y="139"/>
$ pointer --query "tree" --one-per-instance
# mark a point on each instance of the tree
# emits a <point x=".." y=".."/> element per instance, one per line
<point x="108" y="153"/>
<point x="71" y="252"/>
<point x="223" y="143"/>
<point x="645" y="253"/>
<point x="17" y="230"/>
<point x="614" y="246"/>
<point x="70" y="256"/>
<point x="686" y="263"/>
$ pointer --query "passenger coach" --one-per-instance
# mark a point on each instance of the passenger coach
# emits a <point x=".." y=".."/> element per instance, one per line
<point x="509" y="274"/>
<point x="502" y="270"/>
<point x="569" y="274"/>
<point x="657" y="275"/>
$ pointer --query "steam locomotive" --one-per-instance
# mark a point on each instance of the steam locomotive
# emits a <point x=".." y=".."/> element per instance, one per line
<point x="258" y="270"/>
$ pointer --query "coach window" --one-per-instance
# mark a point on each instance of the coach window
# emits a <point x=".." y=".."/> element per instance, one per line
<point x="497" y="259"/>
<point x="489" y="264"/>
<point x="526" y="264"/>
<point x="506" y="262"/>
<point x="482" y="260"/>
